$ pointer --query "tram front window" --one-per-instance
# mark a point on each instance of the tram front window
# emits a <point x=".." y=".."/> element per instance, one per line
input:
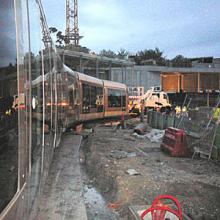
<point x="8" y="107"/>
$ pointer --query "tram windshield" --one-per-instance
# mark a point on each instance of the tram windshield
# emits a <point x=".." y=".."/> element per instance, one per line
<point x="8" y="106"/>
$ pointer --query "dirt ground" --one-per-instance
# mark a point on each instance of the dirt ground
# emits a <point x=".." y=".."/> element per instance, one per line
<point x="110" y="152"/>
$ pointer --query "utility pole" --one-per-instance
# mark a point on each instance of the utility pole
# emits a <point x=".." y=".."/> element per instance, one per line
<point x="72" y="30"/>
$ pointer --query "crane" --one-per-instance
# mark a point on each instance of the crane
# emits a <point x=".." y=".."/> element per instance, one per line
<point x="72" y="30"/>
<point x="44" y="27"/>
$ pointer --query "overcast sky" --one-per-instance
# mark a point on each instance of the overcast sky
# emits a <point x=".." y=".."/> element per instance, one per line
<point x="187" y="27"/>
<point x="7" y="34"/>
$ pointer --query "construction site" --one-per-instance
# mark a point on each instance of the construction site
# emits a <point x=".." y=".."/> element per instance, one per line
<point x="107" y="138"/>
<point x="127" y="163"/>
<point x="131" y="169"/>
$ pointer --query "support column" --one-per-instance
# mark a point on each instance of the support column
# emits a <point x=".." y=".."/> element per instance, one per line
<point x="80" y="64"/>
<point x="132" y="76"/>
<point x="97" y="68"/>
<point x="63" y="58"/>
<point x="198" y="82"/>
<point x="178" y="84"/>
<point x="110" y="71"/>
<point x="161" y="81"/>
<point x="125" y="75"/>
<point x="182" y="82"/>
<point x="122" y="73"/>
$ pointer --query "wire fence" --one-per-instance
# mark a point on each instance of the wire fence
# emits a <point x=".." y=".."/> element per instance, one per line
<point x="198" y="124"/>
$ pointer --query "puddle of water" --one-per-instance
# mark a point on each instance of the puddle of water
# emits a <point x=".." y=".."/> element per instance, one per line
<point x="96" y="206"/>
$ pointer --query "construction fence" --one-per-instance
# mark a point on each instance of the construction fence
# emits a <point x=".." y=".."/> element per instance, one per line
<point x="202" y="131"/>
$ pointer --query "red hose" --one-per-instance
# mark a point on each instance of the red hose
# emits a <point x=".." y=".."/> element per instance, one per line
<point x="156" y="206"/>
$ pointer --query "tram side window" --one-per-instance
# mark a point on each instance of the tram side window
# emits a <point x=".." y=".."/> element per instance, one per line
<point x="99" y="99"/>
<point x="86" y="98"/>
<point x="114" y="98"/>
<point x="93" y="96"/>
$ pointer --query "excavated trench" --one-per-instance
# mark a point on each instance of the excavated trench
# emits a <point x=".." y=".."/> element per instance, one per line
<point x="109" y="191"/>
<point x="98" y="188"/>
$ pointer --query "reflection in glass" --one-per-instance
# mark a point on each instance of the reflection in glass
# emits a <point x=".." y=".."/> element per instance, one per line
<point x="73" y="98"/>
<point x="8" y="105"/>
<point x="37" y="100"/>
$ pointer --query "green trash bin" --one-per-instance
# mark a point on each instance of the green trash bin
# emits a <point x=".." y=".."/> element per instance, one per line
<point x="165" y="117"/>
<point x="154" y="120"/>
<point x="160" y="121"/>
<point x="149" y="117"/>
<point x="216" y="148"/>
<point x="170" y="121"/>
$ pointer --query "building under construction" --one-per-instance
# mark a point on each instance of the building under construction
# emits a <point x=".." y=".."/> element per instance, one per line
<point x="77" y="57"/>
<point x="196" y="79"/>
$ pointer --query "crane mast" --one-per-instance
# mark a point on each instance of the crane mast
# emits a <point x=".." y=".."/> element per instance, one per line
<point x="72" y="30"/>
<point x="44" y="27"/>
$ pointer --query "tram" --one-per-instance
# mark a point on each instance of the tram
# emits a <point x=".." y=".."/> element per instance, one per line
<point x="39" y="98"/>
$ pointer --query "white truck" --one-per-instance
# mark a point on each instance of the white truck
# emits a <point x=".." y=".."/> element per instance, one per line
<point x="154" y="98"/>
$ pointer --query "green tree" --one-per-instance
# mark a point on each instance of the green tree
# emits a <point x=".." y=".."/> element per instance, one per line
<point x="108" y="53"/>
<point x="181" y="61"/>
<point x="60" y="38"/>
<point x="149" y="54"/>
<point x="123" y="54"/>
<point x="52" y="29"/>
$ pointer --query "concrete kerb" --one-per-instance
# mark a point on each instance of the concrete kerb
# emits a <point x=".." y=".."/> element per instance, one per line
<point x="64" y="184"/>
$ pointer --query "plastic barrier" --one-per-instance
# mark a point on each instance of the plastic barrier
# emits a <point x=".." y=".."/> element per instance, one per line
<point x="174" y="142"/>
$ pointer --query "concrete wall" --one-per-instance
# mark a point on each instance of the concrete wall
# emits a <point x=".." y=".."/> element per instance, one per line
<point x="136" y="76"/>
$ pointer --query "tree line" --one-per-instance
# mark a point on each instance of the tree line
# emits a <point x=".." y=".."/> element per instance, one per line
<point x="149" y="57"/>
<point x="142" y="57"/>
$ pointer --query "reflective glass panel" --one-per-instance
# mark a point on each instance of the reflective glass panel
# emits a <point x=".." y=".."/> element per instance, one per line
<point x="37" y="99"/>
<point x="8" y="105"/>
